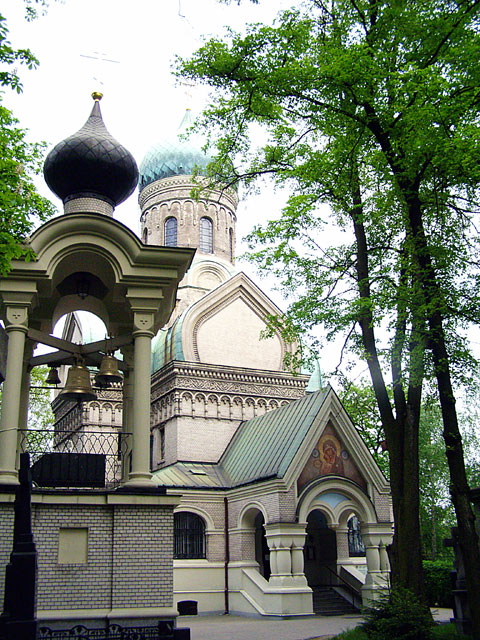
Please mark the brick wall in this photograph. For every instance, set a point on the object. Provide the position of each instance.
(137, 538)
(143, 556)
(6, 541)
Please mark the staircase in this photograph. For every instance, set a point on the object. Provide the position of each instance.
(327, 602)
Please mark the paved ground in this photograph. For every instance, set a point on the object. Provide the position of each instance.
(231, 627)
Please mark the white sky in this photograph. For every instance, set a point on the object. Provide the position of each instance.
(141, 100)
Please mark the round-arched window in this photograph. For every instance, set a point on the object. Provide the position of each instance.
(188, 536)
(356, 547)
(206, 235)
(171, 232)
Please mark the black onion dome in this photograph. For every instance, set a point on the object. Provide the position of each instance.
(91, 163)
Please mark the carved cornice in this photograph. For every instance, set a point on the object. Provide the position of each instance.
(228, 380)
(159, 189)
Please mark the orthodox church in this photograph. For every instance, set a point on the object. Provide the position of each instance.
(278, 494)
(272, 501)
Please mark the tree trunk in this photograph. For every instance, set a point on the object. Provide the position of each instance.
(459, 489)
(401, 432)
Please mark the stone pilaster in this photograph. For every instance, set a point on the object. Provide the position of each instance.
(286, 542)
(16, 317)
(376, 537)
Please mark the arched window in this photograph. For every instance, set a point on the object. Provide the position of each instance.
(206, 235)
(145, 235)
(171, 232)
(356, 547)
(188, 535)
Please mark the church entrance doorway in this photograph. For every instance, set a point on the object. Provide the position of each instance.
(320, 551)
(262, 552)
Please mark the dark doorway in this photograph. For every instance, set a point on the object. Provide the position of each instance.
(320, 550)
(262, 552)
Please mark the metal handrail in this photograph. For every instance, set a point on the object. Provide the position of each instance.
(354, 592)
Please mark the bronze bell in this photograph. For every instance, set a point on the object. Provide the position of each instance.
(53, 377)
(108, 371)
(78, 385)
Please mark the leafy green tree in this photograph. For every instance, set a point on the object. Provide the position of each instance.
(361, 405)
(40, 414)
(371, 107)
(21, 206)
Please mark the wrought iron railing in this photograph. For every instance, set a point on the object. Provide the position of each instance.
(163, 630)
(80, 458)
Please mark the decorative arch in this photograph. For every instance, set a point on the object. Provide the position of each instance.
(248, 513)
(338, 496)
(202, 513)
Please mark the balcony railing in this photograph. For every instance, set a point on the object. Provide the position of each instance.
(82, 458)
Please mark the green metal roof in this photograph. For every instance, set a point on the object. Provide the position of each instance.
(174, 156)
(167, 345)
(191, 475)
(262, 448)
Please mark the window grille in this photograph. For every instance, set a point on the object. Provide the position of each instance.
(171, 232)
(189, 536)
(356, 547)
(206, 235)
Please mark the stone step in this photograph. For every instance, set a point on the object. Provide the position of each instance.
(327, 602)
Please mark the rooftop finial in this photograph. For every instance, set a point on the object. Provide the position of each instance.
(96, 95)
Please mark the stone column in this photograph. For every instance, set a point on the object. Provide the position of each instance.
(140, 474)
(298, 543)
(375, 536)
(127, 411)
(24, 400)
(384, 561)
(16, 319)
(286, 541)
(342, 545)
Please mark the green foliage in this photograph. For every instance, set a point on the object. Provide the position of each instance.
(398, 616)
(361, 405)
(438, 632)
(448, 632)
(371, 108)
(376, 95)
(21, 206)
(437, 582)
(40, 411)
(352, 634)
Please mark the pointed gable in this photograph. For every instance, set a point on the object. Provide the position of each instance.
(225, 326)
(330, 456)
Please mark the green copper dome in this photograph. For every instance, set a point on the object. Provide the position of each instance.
(174, 157)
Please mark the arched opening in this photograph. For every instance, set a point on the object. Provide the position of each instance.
(206, 235)
(262, 552)
(320, 551)
(145, 235)
(356, 548)
(171, 232)
(188, 536)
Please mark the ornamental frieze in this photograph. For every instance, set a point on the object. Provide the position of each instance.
(233, 387)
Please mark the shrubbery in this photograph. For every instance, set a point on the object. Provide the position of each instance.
(437, 582)
(398, 616)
